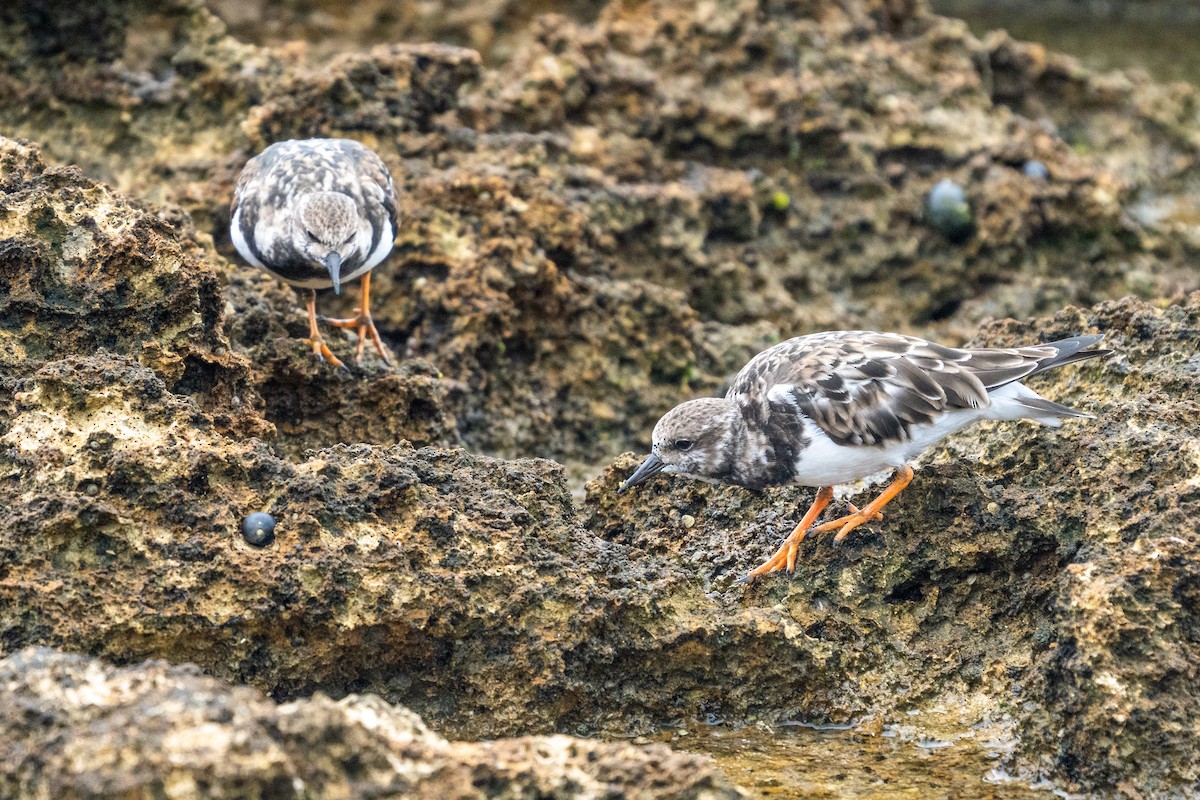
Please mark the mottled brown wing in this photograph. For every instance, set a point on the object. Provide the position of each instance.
(246, 179)
(376, 181)
(867, 388)
(246, 209)
(271, 180)
(258, 185)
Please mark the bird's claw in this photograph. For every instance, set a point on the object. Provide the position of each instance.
(364, 326)
(321, 350)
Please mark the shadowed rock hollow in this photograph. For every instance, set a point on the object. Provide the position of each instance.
(608, 219)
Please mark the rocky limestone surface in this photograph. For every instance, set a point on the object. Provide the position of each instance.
(75, 727)
(492, 28)
(472, 590)
(627, 209)
(1114, 684)
(1052, 570)
(606, 221)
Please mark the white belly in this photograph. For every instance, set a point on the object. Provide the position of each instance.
(377, 255)
(386, 239)
(319, 281)
(824, 463)
(239, 240)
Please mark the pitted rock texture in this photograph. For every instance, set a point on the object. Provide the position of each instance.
(633, 201)
(386, 558)
(78, 262)
(609, 220)
(79, 728)
(471, 590)
(1114, 685)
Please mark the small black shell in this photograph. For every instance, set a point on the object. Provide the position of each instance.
(258, 529)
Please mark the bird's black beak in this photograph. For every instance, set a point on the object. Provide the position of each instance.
(650, 466)
(333, 263)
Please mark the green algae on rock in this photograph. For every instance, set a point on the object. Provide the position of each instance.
(154, 730)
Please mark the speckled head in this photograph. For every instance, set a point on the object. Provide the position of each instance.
(695, 439)
(325, 229)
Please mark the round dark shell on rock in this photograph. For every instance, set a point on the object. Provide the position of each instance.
(258, 529)
(948, 210)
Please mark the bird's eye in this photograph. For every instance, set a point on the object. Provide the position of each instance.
(683, 445)
(312, 237)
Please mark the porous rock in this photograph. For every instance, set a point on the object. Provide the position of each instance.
(587, 225)
(75, 727)
(607, 221)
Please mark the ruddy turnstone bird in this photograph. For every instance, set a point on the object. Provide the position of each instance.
(317, 213)
(833, 407)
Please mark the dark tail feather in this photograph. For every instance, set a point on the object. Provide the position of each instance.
(1051, 407)
(1070, 351)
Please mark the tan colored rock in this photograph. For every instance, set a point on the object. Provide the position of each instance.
(130, 501)
(582, 222)
(76, 727)
(610, 221)
(1114, 668)
(79, 259)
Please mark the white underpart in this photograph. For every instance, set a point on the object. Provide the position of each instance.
(824, 463)
(239, 240)
(377, 255)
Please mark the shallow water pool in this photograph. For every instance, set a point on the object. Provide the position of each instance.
(807, 762)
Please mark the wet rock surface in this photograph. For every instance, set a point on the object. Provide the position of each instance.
(75, 727)
(607, 216)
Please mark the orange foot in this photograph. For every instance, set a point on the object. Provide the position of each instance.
(855, 515)
(785, 556)
(322, 351)
(314, 340)
(366, 328)
(364, 324)
(870, 511)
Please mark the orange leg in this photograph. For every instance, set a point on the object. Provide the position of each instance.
(872, 509)
(785, 556)
(364, 324)
(840, 521)
(314, 340)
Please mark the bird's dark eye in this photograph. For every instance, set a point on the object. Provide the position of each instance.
(683, 445)
(312, 237)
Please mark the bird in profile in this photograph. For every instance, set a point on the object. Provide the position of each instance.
(317, 213)
(834, 407)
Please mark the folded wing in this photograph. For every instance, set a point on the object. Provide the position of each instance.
(867, 388)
